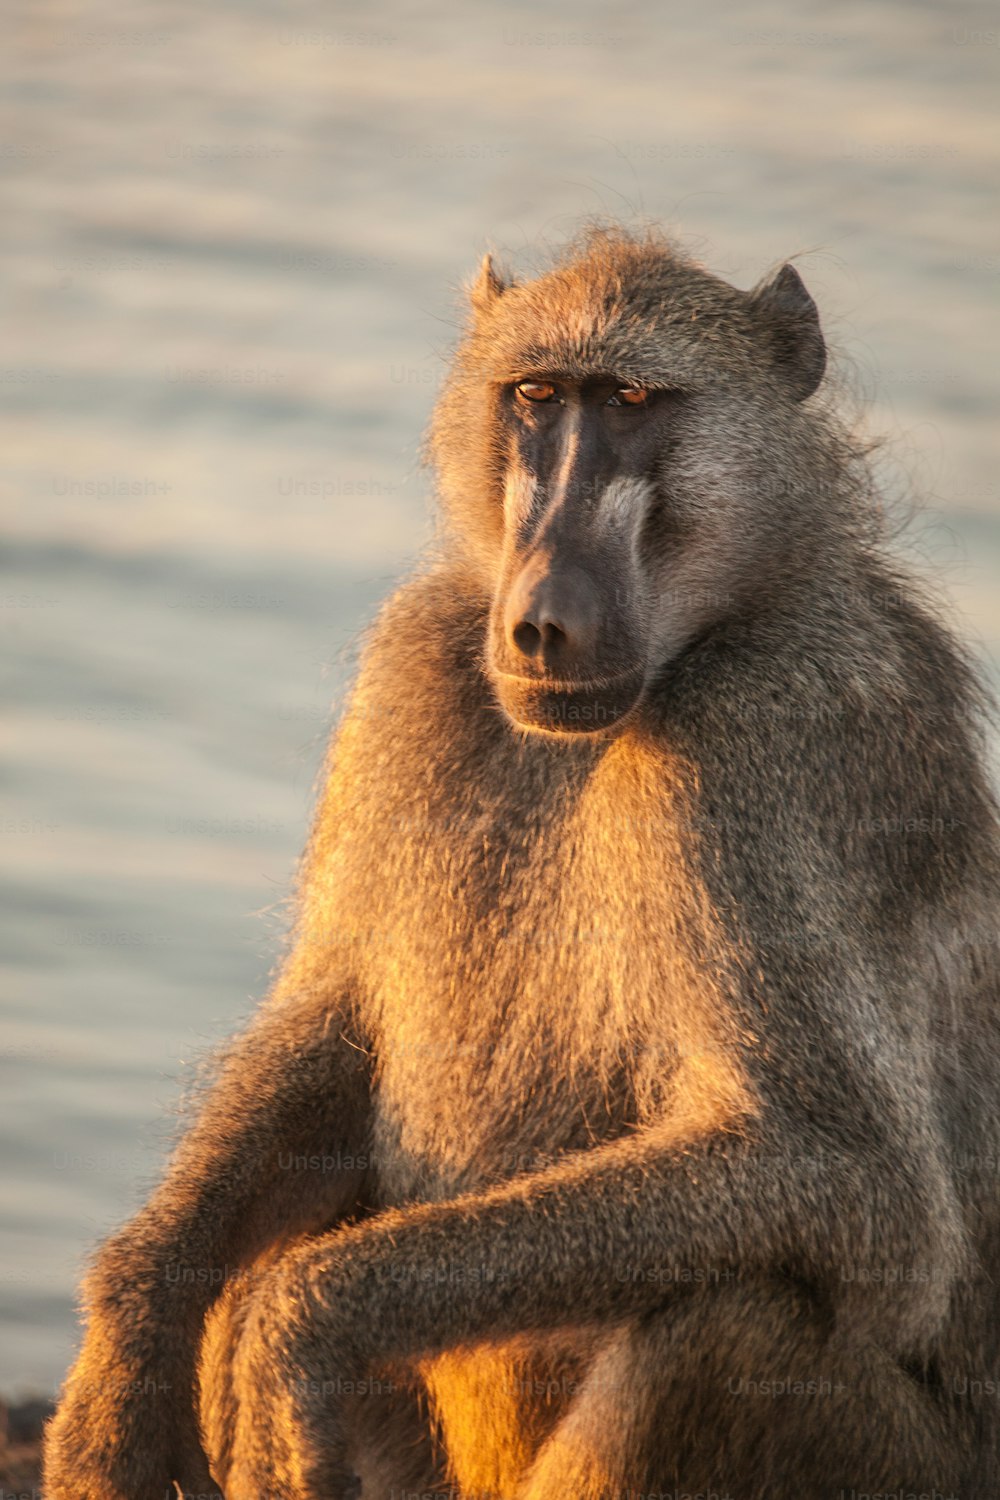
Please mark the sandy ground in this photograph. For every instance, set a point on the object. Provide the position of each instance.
(233, 238)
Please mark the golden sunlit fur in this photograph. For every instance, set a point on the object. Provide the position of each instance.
(624, 1119)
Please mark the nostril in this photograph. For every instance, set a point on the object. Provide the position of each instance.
(527, 638)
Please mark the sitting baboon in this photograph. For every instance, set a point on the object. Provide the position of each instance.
(626, 1117)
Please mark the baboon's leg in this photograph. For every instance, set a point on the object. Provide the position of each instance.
(742, 1391)
(294, 1089)
(391, 1449)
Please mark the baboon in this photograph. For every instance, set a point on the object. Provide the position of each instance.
(625, 1119)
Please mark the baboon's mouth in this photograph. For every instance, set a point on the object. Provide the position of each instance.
(555, 707)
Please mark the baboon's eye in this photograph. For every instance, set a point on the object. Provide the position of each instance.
(629, 395)
(535, 390)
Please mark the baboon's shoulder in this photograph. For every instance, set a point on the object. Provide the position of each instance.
(419, 687)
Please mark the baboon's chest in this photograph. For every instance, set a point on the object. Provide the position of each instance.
(535, 995)
(498, 1074)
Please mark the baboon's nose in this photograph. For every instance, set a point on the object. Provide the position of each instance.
(530, 638)
(552, 618)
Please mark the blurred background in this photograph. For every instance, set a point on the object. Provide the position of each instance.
(232, 245)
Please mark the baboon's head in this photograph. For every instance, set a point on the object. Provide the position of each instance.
(619, 446)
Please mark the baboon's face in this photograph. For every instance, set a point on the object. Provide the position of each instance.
(569, 639)
(608, 442)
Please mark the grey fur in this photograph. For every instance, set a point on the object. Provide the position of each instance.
(657, 1070)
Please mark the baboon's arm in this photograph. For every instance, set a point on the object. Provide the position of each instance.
(601, 1236)
(294, 1086)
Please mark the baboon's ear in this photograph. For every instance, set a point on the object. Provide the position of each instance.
(789, 316)
(488, 286)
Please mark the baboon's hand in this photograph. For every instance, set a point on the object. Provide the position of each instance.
(123, 1433)
(292, 1372)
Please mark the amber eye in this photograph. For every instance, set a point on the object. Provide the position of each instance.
(631, 395)
(535, 390)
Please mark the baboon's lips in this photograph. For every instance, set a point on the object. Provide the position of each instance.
(569, 707)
